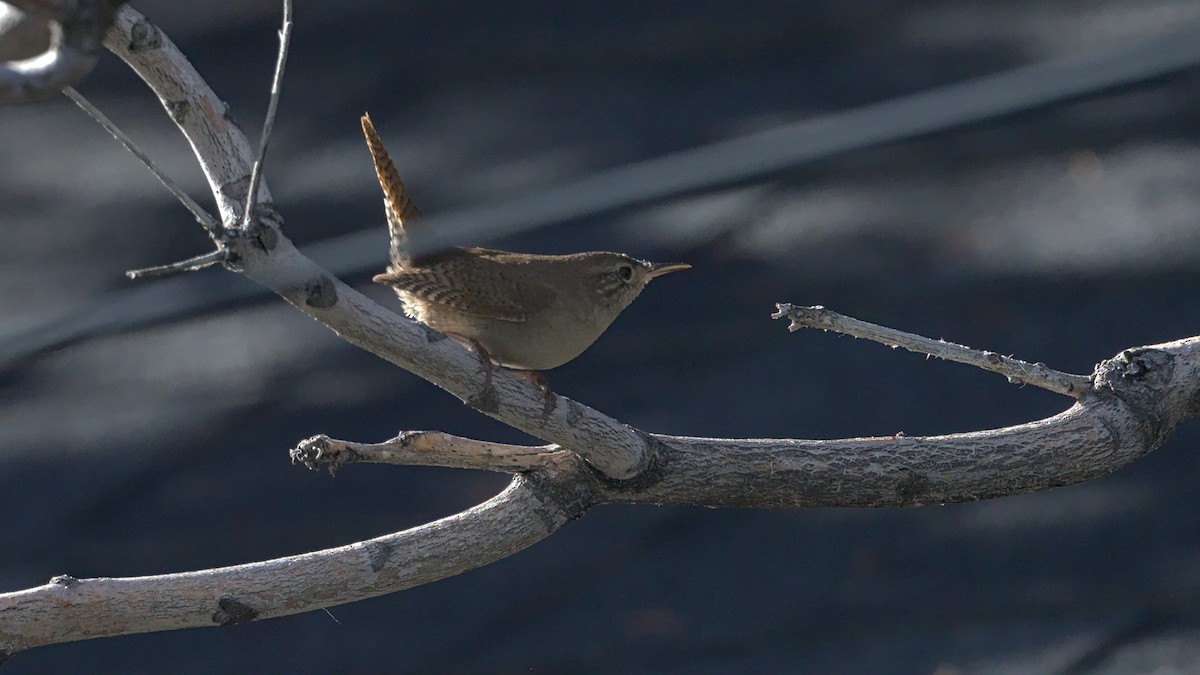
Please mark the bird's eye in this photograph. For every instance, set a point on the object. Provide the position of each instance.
(625, 272)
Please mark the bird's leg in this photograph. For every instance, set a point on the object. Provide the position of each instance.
(540, 381)
(485, 359)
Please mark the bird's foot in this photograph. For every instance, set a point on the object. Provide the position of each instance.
(485, 359)
(550, 400)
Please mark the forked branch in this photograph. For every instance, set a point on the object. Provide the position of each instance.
(1125, 409)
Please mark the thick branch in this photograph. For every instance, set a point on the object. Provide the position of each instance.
(1137, 400)
(219, 145)
(1068, 448)
(68, 609)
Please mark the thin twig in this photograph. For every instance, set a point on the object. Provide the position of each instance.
(285, 39)
(425, 448)
(1016, 370)
(198, 211)
(190, 265)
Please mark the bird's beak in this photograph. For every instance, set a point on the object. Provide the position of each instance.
(659, 269)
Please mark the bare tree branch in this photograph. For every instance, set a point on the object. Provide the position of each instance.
(220, 146)
(192, 264)
(426, 448)
(1138, 398)
(285, 39)
(68, 609)
(265, 255)
(1129, 406)
(1016, 370)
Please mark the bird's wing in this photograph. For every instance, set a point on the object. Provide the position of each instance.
(479, 288)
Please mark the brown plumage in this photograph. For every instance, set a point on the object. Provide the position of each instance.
(527, 311)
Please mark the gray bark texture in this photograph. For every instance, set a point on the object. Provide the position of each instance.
(1134, 401)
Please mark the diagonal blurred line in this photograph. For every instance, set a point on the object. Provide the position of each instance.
(755, 156)
(116, 312)
(718, 165)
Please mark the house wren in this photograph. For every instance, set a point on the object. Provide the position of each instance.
(520, 310)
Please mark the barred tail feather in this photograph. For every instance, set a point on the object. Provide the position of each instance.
(396, 202)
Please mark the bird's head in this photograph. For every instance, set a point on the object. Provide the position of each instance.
(617, 279)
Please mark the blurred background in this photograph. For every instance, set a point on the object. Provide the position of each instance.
(144, 426)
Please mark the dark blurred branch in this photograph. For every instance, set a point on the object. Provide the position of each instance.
(706, 168)
(754, 156)
(22, 35)
(77, 28)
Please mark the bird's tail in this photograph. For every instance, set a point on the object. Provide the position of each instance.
(396, 202)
